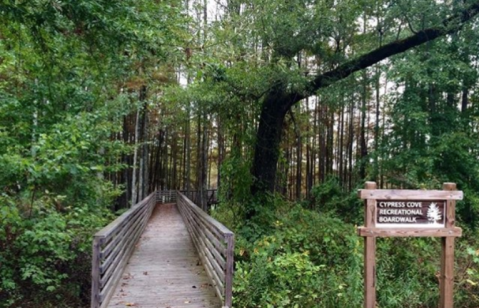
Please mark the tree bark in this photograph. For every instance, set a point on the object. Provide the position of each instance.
(322, 143)
(363, 143)
(464, 100)
(341, 145)
(134, 190)
(268, 138)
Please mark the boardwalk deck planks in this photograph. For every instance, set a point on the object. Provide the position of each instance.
(165, 270)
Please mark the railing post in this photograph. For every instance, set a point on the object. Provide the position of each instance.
(230, 244)
(95, 273)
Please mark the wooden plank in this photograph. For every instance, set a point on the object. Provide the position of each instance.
(188, 219)
(370, 252)
(220, 227)
(208, 240)
(409, 232)
(230, 244)
(404, 194)
(212, 228)
(116, 246)
(207, 261)
(166, 196)
(218, 274)
(219, 257)
(163, 271)
(122, 238)
(120, 243)
(214, 240)
(110, 284)
(217, 264)
(211, 241)
(95, 274)
(111, 228)
(197, 220)
(446, 279)
(122, 254)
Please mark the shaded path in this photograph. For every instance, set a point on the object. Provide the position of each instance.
(165, 270)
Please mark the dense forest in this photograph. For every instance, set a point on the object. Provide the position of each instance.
(286, 107)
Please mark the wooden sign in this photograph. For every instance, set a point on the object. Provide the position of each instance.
(416, 213)
(410, 213)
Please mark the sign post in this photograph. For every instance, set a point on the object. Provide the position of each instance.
(410, 213)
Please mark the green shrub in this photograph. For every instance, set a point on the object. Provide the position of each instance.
(45, 253)
(467, 270)
(330, 197)
(308, 260)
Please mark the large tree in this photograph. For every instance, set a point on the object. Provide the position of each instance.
(421, 22)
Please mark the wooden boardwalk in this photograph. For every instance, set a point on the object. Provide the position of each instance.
(165, 270)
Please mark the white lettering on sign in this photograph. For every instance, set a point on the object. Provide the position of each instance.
(414, 204)
(391, 204)
(397, 213)
(397, 219)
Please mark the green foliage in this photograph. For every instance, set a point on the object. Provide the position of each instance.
(429, 139)
(44, 251)
(300, 265)
(468, 269)
(327, 194)
(329, 197)
(302, 258)
(406, 272)
(294, 275)
(236, 172)
(64, 73)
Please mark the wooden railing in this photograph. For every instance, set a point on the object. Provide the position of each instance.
(203, 198)
(209, 196)
(215, 245)
(166, 196)
(112, 247)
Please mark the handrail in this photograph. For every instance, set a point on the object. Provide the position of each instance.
(215, 245)
(169, 196)
(205, 198)
(112, 247)
(166, 196)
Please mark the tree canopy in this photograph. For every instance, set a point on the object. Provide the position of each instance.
(102, 102)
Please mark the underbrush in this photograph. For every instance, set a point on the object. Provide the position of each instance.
(296, 257)
(45, 253)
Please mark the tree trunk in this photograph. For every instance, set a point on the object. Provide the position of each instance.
(341, 144)
(165, 170)
(221, 150)
(363, 143)
(376, 128)
(350, 146)
(204, 163)
(268, 138)
(464, 100)
(330, 142)
(322, 144)
(135, 159)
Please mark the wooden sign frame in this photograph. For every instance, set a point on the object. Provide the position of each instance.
(447, 232)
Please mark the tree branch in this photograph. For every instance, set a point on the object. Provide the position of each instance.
(449, 25)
